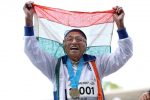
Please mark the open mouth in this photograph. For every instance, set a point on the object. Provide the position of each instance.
(74, 48)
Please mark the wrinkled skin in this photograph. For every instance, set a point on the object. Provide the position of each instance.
(74, 45)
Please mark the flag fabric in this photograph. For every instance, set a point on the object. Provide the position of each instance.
(51, 24)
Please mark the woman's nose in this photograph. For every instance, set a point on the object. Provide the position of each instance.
(74, 40)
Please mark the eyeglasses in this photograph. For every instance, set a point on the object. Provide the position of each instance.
(77, 39)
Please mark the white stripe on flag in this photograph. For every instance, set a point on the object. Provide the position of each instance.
(97, 35)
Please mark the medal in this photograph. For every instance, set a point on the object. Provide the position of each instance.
(74, 93)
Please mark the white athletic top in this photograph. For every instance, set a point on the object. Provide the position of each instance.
(106, 64)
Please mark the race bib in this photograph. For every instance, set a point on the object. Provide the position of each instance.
(86, 89)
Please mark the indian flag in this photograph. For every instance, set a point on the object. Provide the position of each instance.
(51, 24)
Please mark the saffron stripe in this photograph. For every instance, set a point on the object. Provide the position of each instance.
(73, 18)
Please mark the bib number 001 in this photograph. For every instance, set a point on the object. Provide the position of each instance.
(86, 90)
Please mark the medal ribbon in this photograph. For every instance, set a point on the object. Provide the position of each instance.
(100, 91)
(74, 78)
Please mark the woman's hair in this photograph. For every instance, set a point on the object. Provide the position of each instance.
(76, 30)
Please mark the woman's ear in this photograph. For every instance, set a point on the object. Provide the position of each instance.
(85, 47)
(64, 46)
(86, 43)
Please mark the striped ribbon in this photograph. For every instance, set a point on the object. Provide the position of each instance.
(100, 92)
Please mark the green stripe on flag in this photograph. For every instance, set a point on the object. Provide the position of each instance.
(56, 49)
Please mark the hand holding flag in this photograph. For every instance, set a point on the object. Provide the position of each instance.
(29, 11)
(119, 17)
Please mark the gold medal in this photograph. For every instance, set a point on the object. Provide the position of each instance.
(74, 93)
